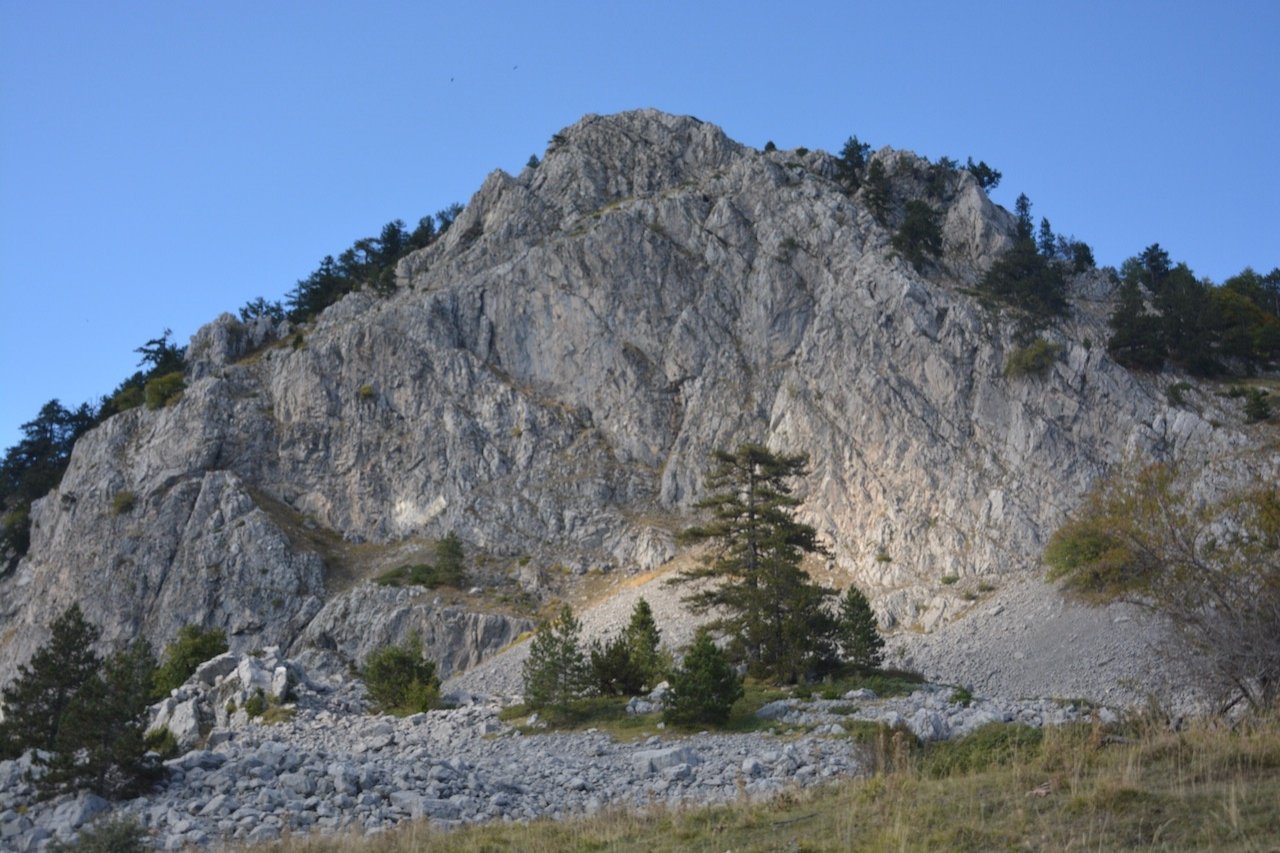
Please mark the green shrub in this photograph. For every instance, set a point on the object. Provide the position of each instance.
(256, 705)
(127, 397)
(123, 502)
(1176, 394)
(162, 742)
(365, 391)
(1256, 405)
(704, 687)
(949, 580)
(110, 835)
(919, 238)
(192, 647)
(399, 680)
(1034, 359)
(613, 672)
(163, 390)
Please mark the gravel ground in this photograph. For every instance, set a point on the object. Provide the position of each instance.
(1026, 640)
(1022, 640)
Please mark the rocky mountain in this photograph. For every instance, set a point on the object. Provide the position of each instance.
(548, 380)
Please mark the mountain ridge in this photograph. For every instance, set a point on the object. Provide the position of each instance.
(550, 376)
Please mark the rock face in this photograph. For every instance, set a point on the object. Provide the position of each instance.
(550, 377)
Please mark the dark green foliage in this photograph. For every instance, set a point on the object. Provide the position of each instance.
(704, 686)
(919, 238)
(769, 147)
(644, 645)
(368, 262)
(852, 160)
(449, 568)
(450, 562)
(260, 308)
(110, 835)
(859, 635)
(35, 702)
(556, 671)
(613, 671)
(1257, 405)
(774, 612)
(101, 740)
(162, 742)
(1205, 329)
(1022, 209)
(533, 162)
(1137, 339)
(1032, 360)
(32, 467)
(400, 680)
(1026, 279)
(1176, 393)
(988, 178)
(632, 661)
(192, 647)
(163, 390)
(445, 217)
(256, 705)
(161, 356)
(877, 191)
(1046, 242)
(1189, 323)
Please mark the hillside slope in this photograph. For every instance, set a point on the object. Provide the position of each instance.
(549, 378)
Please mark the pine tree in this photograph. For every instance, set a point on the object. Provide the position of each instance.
(100, 743)
(773, 609)
(450, 562)
(1137, 340)
(704, 687)
(614, 671)
(643, 644)
(35, 702)
(860, 638)
(556, 671)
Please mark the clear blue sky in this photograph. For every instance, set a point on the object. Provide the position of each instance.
(161, 162)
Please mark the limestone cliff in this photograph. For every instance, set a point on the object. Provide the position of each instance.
(549, 378)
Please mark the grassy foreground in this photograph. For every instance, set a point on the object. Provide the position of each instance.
(1003, 788)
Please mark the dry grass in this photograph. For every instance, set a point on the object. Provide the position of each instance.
(1078, 788)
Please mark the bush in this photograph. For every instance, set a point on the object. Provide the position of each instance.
(1212, 569)
(1033, 360)
(400, 680)
(1256, 405)
(1176, 394)
(123, 502)
(256, 705)
(162, 742)
(163, 390)
(704, 687)
(112, 835)
(556, 671)
(192, 647)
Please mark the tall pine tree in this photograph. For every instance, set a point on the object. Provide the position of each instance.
(773, 610)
